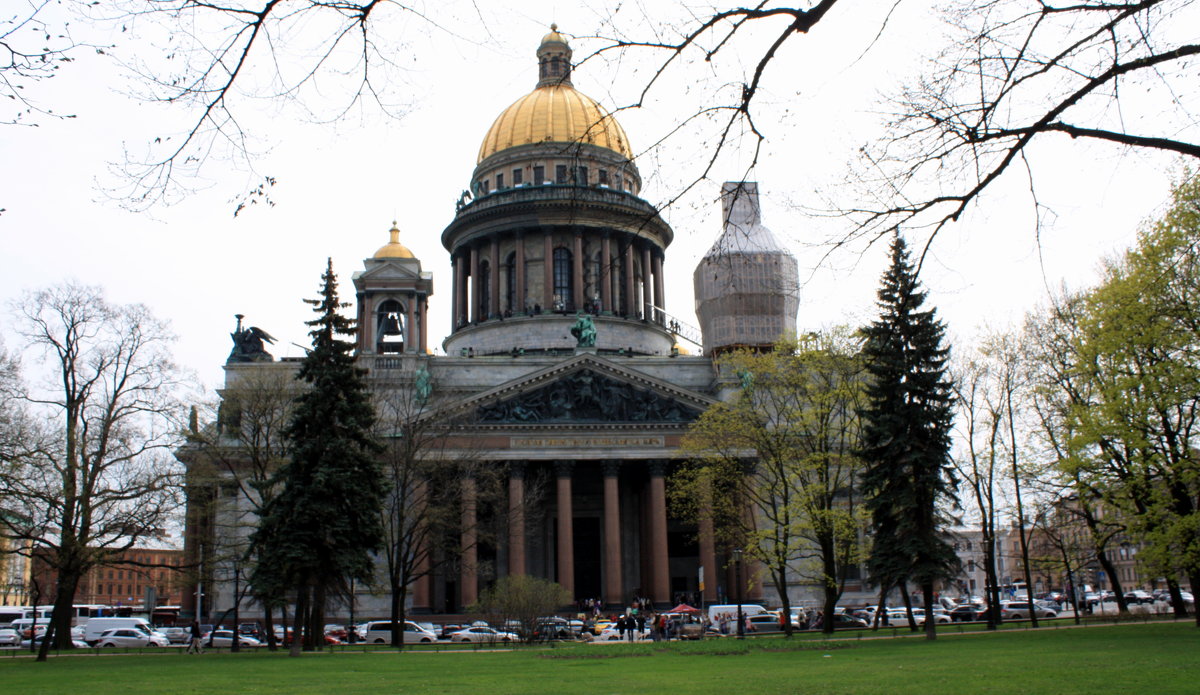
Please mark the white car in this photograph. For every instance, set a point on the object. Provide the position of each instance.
(129, 637)
(610, 634)
(482, 635)
(9, 637)
(1019, 610)
(224, 638)
(380, 632)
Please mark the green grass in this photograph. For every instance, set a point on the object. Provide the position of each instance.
(1147, 659)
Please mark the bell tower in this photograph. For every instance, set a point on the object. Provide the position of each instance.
(393, 301)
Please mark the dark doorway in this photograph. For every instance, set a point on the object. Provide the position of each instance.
(587, 557)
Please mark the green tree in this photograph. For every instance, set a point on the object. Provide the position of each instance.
(785, 450)
(1140, 352)
(521, 598)
(906, 432)
(319, 530)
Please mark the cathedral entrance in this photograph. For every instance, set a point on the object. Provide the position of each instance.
(587, 557)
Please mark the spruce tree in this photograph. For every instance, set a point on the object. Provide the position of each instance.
(907, 436)
(321, 528)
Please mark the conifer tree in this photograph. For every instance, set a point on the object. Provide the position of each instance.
(320, 529)
(907, 436)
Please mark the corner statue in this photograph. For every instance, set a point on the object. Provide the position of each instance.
(248, 344)
(584, 331)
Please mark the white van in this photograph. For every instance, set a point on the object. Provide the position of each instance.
(380, 632)
(731, 609)
(95, 626)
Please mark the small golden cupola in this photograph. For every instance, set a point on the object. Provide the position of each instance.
(394, 249)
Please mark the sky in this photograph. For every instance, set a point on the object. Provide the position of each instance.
(342, 182)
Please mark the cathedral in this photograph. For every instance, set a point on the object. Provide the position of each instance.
(563, 356)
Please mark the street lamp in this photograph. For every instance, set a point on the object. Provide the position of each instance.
(737, 577)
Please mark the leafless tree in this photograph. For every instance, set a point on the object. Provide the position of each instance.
(1019, 72)
(98, 476)
(231, 464)
(326, 57)
(36, 39)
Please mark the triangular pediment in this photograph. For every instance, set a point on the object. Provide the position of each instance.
(585, 389)
(390, 270)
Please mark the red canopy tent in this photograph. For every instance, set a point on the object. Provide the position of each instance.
(684, 608)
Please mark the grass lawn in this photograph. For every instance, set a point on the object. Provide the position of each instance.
(1146, 659)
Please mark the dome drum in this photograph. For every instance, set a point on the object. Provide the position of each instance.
(531, 165)
(552, 333)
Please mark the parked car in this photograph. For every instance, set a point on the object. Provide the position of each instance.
(964, 613)
(176, 635)
(37, 642)
(224, 638)
(1139, 596)
(845, 621)
(130, 637)
(482, 635)
(9, 637)
(380, 632)
(611, 634)
(1021, 610)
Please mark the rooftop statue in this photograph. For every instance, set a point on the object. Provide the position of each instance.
(248, 344)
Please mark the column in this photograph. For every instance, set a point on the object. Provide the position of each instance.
(473, 295)
(455, 293)
(566, 528)
(548, 272)
(494, 280)
(520, 273)
(658, 532)
(647, 298)
(516, 519)
(468, 569)
(460, 291)
(410, 324)
(424, 327)
(659, 299)
(421, 587)
(606, 275)
(577, 272)
(614, 590)
(708, 551)
(630, 294)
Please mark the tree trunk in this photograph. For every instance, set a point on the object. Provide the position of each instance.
(1074, 594)
(270, 627)
(300, 611)
(930, 622)
(881, 609)
(1107, 564)
(59, 629)
(316, 621)
(991, 592)
(912, 623)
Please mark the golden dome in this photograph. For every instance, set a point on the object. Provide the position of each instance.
(554, 113)
(394, 249)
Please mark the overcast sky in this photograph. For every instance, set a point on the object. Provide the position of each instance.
(342, 183)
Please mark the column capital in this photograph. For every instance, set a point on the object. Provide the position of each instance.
(563, 469)
(657, 468)
(611, 468)
(516, 469)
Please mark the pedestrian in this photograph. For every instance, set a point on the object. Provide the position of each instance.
(195, 646)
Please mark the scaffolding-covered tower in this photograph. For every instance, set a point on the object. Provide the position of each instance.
(747, 285)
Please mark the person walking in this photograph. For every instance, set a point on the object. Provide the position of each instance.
(195, 646)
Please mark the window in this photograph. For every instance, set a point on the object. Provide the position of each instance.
(562, 280)
(499, 181)
(602, 177)
(539, 175)
(581, 176)
(560, 173)
(517, 177)
(487, 186)
(389, 329)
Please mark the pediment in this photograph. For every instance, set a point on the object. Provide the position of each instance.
(391, 270)
(585, 389)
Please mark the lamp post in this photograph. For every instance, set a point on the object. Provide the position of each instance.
(737, 578)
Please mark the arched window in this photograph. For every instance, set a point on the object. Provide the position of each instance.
(389, 327)
(510, 284)
(483, 290)
(563, 301)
